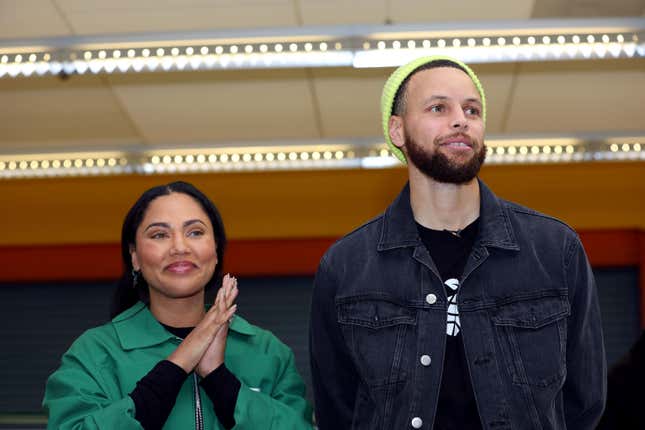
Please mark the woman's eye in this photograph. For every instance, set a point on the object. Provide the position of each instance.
(158, 235)
(194, 233)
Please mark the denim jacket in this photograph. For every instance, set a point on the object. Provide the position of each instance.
(530, 324)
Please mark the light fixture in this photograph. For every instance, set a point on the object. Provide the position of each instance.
(335, 46)
(319, 154)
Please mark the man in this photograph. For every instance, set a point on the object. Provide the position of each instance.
(454, 309)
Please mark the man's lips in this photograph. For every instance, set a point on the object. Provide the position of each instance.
(180, 267)
(460, 142)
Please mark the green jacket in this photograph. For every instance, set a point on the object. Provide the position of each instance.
(90, 389)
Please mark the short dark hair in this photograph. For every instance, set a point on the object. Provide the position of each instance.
(126, 293)
(400, 99)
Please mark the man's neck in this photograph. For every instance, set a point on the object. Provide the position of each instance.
(441, 206)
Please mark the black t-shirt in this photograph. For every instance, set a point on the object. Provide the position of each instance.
(456, 409)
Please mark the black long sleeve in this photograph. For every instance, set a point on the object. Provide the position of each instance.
(222, 387)
(155, 394)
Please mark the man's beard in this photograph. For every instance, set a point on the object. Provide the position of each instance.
(439, 167)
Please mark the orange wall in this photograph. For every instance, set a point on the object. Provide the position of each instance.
(325, 203)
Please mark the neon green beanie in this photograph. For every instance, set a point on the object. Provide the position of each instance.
(396, 79)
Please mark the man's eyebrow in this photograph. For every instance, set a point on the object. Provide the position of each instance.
(436, 97)
(441, 97)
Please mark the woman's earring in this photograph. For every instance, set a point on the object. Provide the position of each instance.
(135, 277)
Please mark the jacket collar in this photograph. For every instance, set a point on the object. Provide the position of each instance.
(136, 327)
(495, 229)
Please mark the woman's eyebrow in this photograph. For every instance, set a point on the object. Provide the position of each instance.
(157, 224)
(166, 225)
(193, 221)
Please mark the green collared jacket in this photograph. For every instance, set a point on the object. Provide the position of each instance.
(90, 389)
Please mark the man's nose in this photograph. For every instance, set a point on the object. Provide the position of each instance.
(459, 120)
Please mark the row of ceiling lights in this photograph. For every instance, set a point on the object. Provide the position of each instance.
(332, 158)
(353, 46)
(103, 54)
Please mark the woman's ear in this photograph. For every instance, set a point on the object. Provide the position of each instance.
(134, 258)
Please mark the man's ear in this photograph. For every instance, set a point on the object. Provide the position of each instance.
(134, 258)
(397, 134)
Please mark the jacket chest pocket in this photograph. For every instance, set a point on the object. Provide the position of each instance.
(532, 337)
(378, 331)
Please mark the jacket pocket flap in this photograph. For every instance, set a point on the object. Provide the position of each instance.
(374, 313)
(532, 313)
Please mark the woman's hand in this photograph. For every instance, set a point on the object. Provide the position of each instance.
(214, 355)
(190, 352)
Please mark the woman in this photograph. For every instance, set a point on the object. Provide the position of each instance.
(165, 360)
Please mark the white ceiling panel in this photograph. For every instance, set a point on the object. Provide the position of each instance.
(100, 17)
(578, 97)
(587, 8)
(88, 5)
(497, 80)
(224, 106)
(49, 112)
(336, 12)
(349, 101)
(408, 11)
(30, 18)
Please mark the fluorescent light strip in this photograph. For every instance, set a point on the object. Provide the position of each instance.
(64, 164)
(167, 59)
(355, 155)
(340, 46)
(495, 49)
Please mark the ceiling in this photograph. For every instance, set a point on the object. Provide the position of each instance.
(281, 105)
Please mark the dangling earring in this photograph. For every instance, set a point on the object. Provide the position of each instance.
(135, 277)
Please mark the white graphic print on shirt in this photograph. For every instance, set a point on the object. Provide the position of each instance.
(453, 327)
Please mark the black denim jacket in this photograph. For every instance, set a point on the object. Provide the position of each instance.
(530, 324)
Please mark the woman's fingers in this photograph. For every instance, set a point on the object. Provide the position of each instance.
(230, 313)
(228, 292)
(232, 293)
(222, 308)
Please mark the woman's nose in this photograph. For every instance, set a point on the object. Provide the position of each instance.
(179, 244)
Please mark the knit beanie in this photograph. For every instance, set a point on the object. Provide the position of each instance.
(396, 79)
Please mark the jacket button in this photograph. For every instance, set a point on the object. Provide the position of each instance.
(417, 422)
(431, 299)
(425, 360)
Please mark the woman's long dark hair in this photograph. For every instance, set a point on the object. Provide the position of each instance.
(126, 293)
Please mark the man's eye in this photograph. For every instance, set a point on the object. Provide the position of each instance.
(472, 111)
(436, 108)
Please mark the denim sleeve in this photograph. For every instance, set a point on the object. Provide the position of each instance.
(585, 387)
(334, 376)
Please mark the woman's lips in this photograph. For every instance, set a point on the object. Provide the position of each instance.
(180, 267)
